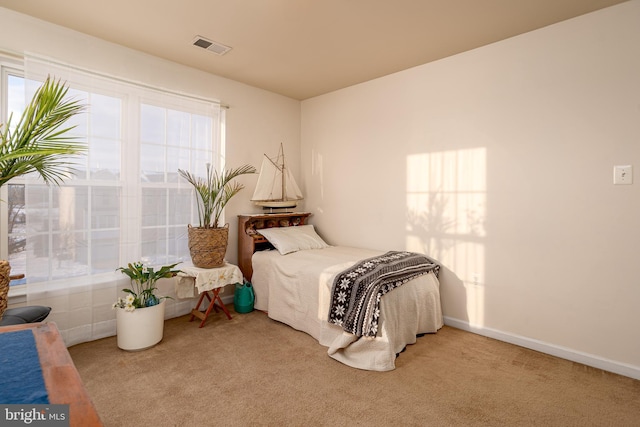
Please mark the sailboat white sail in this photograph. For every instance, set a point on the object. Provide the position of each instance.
(276, 187)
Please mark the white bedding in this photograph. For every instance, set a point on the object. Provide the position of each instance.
(295, 289)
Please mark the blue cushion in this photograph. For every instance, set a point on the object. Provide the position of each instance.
(20, 315)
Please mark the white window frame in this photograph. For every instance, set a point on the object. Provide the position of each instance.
(130, 166)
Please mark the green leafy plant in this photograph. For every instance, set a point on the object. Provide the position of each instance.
(215, 191)
(39, 143)
(143, 281)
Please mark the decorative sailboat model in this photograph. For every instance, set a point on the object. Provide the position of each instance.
(276, 188)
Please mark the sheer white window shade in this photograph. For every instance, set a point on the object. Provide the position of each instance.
(124, 204)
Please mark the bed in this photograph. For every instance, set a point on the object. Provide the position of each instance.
(296, 289)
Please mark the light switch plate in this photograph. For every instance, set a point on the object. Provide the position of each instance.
(623, 175)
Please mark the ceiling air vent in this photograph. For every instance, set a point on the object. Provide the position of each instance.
(215, 47)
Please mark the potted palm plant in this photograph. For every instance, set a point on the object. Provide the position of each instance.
(39, 144)
(208, 241)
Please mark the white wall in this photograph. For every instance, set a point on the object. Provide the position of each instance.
(257, 120)
(498, 162)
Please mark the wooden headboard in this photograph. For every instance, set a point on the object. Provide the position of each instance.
(250, 241)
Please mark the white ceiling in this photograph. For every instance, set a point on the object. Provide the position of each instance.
(304, 48)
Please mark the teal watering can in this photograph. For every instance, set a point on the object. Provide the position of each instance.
(243, 298)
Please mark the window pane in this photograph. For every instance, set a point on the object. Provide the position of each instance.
(202, 133)
(37, 209)
(37, 268)
(79, 122)
(181, 203)
(68, 210)
(105, 250)
(178, 244)
(154, 207)
(199, 162)
(154, 246)
(152, 165)
(105, 116)
(152, 124)
(15, 98)
(176, 159)
(104, 159)
(105, 208)
(178, 131)
(69, 254)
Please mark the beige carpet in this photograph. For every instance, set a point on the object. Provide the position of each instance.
(254, 371)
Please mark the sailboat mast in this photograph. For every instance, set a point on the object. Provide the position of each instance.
(282, 177)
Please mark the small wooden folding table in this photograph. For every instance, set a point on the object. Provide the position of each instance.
(209, 282)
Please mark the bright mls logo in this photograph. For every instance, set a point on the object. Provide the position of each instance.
(36, 415)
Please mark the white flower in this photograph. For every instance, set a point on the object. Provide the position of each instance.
(129, 299)
(129, 307)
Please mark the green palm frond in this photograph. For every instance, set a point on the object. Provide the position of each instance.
(39, 143)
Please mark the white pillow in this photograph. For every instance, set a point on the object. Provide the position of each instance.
(293, 238)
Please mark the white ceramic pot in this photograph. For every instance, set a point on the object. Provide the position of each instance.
(141, 328)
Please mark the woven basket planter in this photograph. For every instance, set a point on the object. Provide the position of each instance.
(208, 246)
(5, 269)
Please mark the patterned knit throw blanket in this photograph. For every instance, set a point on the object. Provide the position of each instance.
(356, 291)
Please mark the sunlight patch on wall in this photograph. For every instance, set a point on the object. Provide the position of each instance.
(446, 211)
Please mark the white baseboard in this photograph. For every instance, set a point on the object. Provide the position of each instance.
(554, 350)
